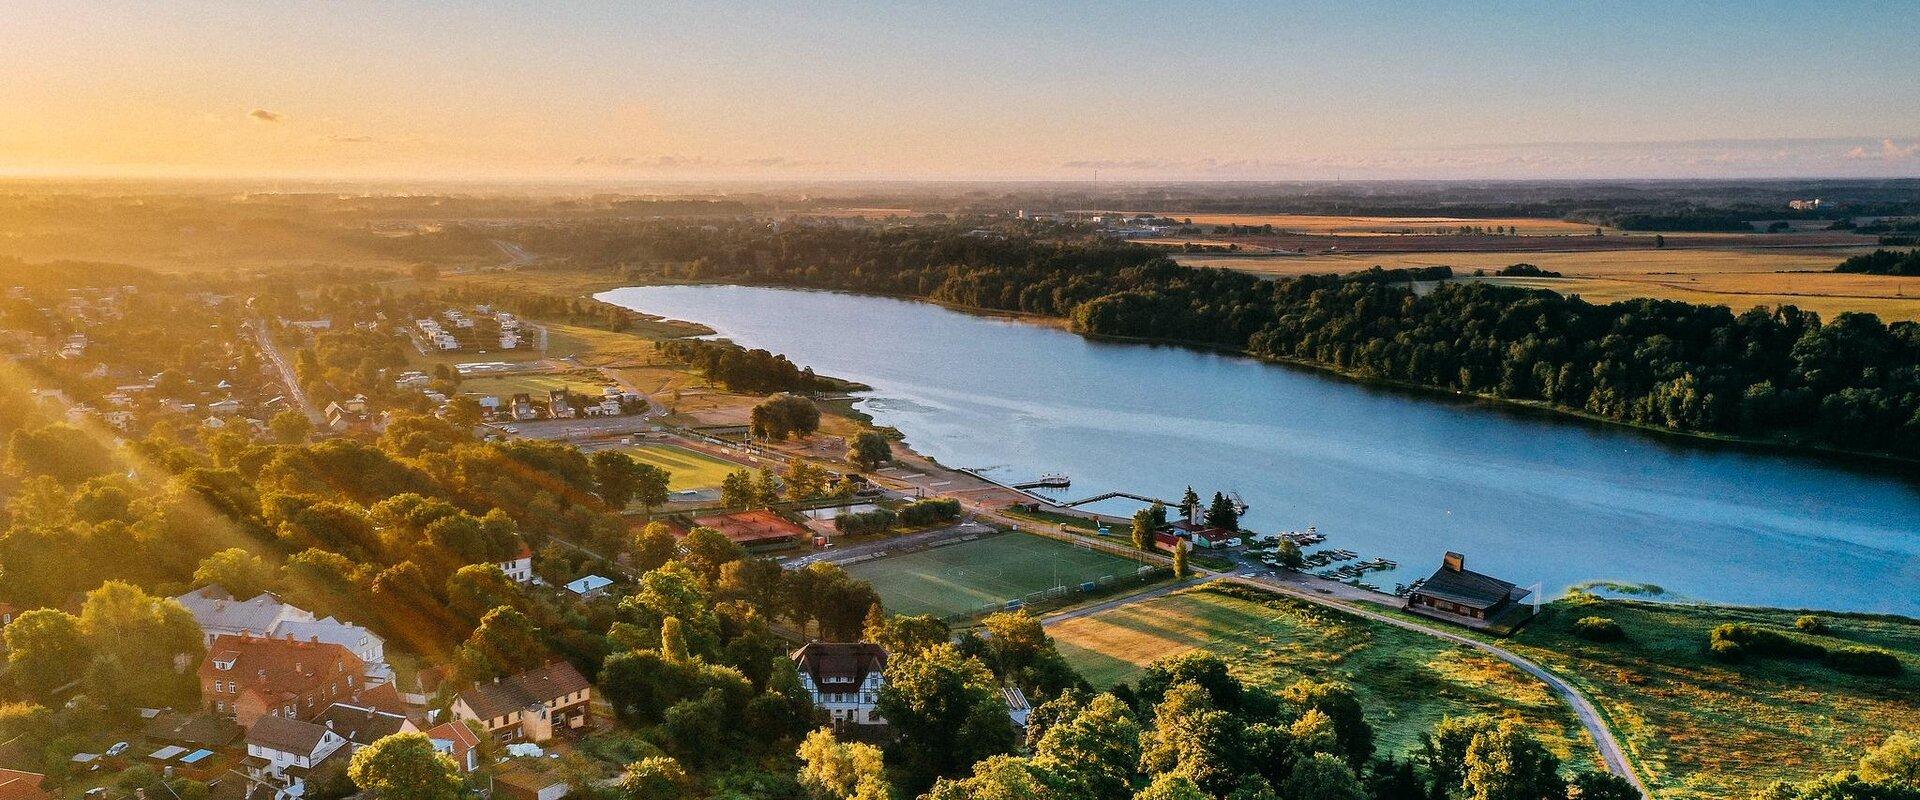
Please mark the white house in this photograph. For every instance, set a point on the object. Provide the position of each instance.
(282, 752)
(520, 567)
(590, 587)
(266, 615)
(360, 641)
(844, 679)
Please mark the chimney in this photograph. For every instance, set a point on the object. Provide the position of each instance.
(1455, 562)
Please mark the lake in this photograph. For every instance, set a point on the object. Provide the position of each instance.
(1527, 496)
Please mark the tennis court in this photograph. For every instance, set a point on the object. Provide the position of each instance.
(961, 578)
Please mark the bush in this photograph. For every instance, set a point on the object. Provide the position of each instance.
(923, 512)
(1811, 624)
(875, 521)
(1733, 640)
(1598, 629)
(1863, 661)
(1727, 650)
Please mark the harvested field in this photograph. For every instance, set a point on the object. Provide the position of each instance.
(1378, 226)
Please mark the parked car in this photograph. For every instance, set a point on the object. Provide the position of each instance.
(117, 749)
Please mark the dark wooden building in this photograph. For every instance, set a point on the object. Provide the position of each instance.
(1457, 592)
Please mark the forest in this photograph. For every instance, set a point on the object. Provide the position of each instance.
(1883, 262)
(1850, 383)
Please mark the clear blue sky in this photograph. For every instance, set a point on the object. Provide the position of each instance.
(1249, 90)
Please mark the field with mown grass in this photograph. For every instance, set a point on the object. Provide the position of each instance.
(1705, 730)
(1406, 681)
(962, 578)
(689, 470)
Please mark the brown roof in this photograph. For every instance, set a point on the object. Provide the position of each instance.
(520, 783)
(840, 663)
(278, 669)
(459, 735)
(507, 695)
(17, 785)
(286, 735)
(1455, 583)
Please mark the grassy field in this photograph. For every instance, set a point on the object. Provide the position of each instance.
(690, 470)
(1406, 681)
(1737, 278)
(587, 382)
(961, 578)
(1702, 729)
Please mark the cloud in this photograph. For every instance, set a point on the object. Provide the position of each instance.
(263, 115)
(1888, 151)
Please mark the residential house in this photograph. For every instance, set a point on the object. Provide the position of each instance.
(249, 677)
(196, 730)
(521, 782)
(1018, 708)
(531, 706)
(362, 726)
(520, 567)
(284, 753)
(358, 640)
(1458, 594)
(591, 587)
(560, 404)
(1207, 536)
(844, 679)
(458, 742)
(220, 614)
(523, 407)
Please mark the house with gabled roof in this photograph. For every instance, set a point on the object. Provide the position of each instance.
(1457, 594)
(844, 679)
(361, 725)
(249, 677)
(458, 741)
(531, 706)
(285, 753)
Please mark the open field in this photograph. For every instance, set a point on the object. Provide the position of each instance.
(690, 470)
(1702, 729)
(1739, 278)
(587, 382)
(960, 578)
(1406, 681)
(1378, 226)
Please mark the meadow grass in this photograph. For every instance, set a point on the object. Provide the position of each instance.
(961, 578)
(1405, 680)
(1699, 728)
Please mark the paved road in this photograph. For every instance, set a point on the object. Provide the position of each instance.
(287, 377)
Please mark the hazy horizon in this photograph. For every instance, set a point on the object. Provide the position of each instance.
(1219, 91)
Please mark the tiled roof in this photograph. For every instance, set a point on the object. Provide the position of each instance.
(840, 663)
(1469, 588)
(216, 609)
(280, 668)
(286, 735)
(508, 695)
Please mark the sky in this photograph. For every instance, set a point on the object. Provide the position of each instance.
(959, 90)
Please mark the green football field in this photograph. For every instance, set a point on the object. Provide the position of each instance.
(965, 577)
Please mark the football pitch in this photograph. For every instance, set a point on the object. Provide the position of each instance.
(966, 577)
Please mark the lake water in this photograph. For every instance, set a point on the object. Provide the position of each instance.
(1527, 496)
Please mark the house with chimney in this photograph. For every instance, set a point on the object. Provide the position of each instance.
(532, 706)
(844, 679)
(520, 567)
(219, 613)
(249, 678)
(363, 725)
(457, 741)
(283, 754)
(1457, 594)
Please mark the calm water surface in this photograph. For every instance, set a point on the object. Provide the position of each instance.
(1528, 497)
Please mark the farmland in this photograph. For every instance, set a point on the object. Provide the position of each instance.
(1739, 278)
(1334, 224)
(690, 470)
(1406, 680)
(1703, 729)
(961, 578)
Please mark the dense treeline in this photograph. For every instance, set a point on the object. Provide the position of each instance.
(1693, 219)
(1851, 383)
(1883, 262)
(737, 368)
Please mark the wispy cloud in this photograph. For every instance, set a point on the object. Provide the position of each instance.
(1887, 151)
(263, 115)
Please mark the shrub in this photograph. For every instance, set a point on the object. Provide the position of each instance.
(1598, 629)
(1811, 624)
(923, 512)
(1863, 661)
(874, 521)
(1733, 640)
(1727, 650)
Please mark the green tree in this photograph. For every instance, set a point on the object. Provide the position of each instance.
(506, 643)
(869, 451)
(61, 451)
(1325, 777)
(652, 546)
(805, 480)
(45, 648)
(464, 411)
(784, 415)
(290, 427)
(1180, 569)
(476, 589)
(615, 477)
(1171, 787)
(656, 778)
(1143, 528)
(834, 770)
(737, 490)
(948, 712)
(405, 766)
(1507, 763)
(237, 570)
(1602, 786)
(1094, 752)
(1289, 555)
(1222, 513)
(1896, 760)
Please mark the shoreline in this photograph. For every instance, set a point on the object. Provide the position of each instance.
(1899, 464)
